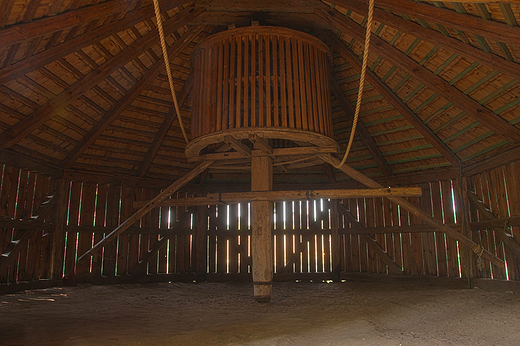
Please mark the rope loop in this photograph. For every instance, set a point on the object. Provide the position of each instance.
(361, 81)
(167, 65)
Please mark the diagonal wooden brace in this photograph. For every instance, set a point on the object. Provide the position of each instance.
(146, 208)
(414, 210)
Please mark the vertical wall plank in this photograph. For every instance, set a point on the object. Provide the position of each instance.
(74, 205)
(88, 202)
(427, 238)
(101, 204)
(449, 217)
(440, 237)
(112, 221)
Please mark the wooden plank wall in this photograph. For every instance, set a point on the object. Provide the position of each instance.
(21, 193)
(499, 190)
(301, 237)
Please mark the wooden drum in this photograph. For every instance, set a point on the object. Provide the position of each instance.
(266, 81)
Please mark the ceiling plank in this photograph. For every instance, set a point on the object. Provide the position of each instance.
(51, 54)
(465, 22)
(468, 51)
(20, 32)
(465, 103)
(129, 97)
(163, 130)
(38, 117)
(381, 87)
(362, 130)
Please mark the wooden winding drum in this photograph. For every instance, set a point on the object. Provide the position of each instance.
(266, 81)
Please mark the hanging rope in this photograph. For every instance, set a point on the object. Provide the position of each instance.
(167, 65)
(361, 82)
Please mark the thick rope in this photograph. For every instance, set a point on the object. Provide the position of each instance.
(167, 65)
(361, 82)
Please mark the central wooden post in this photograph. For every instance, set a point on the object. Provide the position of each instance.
(262, 223)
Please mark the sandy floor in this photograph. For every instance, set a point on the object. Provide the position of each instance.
(349, 313)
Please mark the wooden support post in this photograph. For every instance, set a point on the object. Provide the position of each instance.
(58, 236)
(200, 243)
(261, 240)
(336, 241)
(414, 210)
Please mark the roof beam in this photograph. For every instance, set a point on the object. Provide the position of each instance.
(409, 27)
(51, 54)
(362, 130)
(20, 32)
(462, 101)
(38, 117)
(129, 97)
(465, 22)
(381, 87)
(163, 130)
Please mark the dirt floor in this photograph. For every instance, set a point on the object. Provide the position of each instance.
(301, 313)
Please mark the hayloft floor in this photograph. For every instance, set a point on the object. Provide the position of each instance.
(348, 313)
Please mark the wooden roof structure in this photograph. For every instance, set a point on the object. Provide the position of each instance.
(84, 94)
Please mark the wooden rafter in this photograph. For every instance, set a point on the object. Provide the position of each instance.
(38, 117)
(146, 208)
(20, 32)
(509, 68)
(163, 130)
(362, 130)
(407, 113)
(53, 53)
(465, 103)
(403, 203)
(465, 22)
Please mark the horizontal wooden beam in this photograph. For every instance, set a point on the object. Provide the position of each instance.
(237, 197)
(295, 151)
(19, 160)
(466, 22)
(498, 63)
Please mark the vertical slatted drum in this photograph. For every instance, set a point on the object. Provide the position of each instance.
(268, 81)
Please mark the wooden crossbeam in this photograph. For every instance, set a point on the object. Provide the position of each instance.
(146, 208)
(294, 151)
(278, 196)
(414, 210)
(238, 146)
(72, 45)
(506, 238)
(128, 98)
(163, 130)
(362, 130)
(468, 23)
(392, 266)
(498, 63)
(38, 117)
(407, 113)
(163, 241)
(462, 101)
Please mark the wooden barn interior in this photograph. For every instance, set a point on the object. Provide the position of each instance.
(108, 176)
